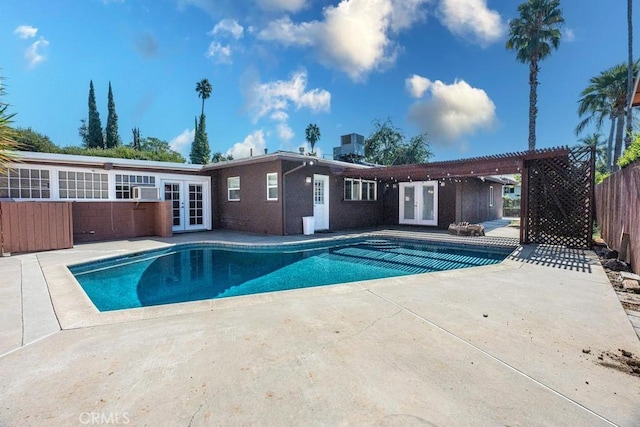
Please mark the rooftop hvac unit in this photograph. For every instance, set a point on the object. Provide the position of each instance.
(145, 193)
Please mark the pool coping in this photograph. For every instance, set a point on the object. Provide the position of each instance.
(74, 309)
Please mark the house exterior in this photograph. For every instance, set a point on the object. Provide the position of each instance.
(113, 198)
(266, 194)
(271, 193)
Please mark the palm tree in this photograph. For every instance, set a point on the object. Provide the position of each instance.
(630, 74)
(312, 134)
(204, 89)
(606, 96)
(533, 35)
(7, 142)
(600, 145)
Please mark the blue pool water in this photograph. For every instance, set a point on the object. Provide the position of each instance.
(196, 272)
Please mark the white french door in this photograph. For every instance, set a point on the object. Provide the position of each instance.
(321, 202)
(187, 204)
(419, 203)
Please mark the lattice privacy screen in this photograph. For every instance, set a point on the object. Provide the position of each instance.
(560, 199)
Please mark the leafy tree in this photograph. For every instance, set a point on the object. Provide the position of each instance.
(83, 131)
(94, 126)
(7, 141)
(533, 35)
(158, 150)
(386, 146)
(312, 134)
(632, 153)
(30, 140)
(606, 96)
(219, 157)
(200, 152)
(600, 145)
(204, 89)
(112, 137)
(136, 138)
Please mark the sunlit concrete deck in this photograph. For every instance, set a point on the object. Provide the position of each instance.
(513, 343)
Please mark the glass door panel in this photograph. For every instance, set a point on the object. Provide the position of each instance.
(409, 200)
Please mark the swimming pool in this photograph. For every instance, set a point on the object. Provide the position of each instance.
(194, 272)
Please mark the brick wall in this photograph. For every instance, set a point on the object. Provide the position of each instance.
(96, 221)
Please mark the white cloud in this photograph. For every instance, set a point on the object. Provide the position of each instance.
(275, 97)
(472, 20)
(407, 12)
(285, 133)
(254, 142)
(25, 31)
(354, 36)
(568, 35)
(288, 33)
(219, 53)
(182, 142)
(33, 54)
(280, 116)
(283, 5)
(417, 85)
(452, 111)
(228, 26)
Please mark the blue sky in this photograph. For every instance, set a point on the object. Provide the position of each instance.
(438, 66)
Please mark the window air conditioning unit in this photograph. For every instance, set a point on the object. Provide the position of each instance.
(145, 193)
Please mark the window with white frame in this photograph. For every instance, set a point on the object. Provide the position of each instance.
(233, 188)
(491, 196)
(272, 186)
(125, 182)
(83, 185)
(360, 189)
(24, 183)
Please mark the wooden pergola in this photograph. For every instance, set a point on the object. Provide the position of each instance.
(557, 188)
(500, 164)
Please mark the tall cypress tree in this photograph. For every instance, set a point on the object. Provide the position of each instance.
(136, 138)
(113, 139)
(94, 128)
(200, 152)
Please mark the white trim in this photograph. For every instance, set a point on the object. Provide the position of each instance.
(321, 222)
(418, 203)
(272, 186)
(229, 189)
(35, 157)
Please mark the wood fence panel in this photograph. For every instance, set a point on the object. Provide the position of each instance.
(35, 226)
(618, 211)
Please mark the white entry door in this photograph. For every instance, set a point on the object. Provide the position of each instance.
(321, 202)
(187, 204)
(419, 203)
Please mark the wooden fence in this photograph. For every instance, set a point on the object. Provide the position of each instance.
(35, 226)
(618, 212)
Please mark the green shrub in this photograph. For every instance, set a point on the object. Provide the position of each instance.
(632, 153)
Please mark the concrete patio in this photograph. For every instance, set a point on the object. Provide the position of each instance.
(517, 343)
